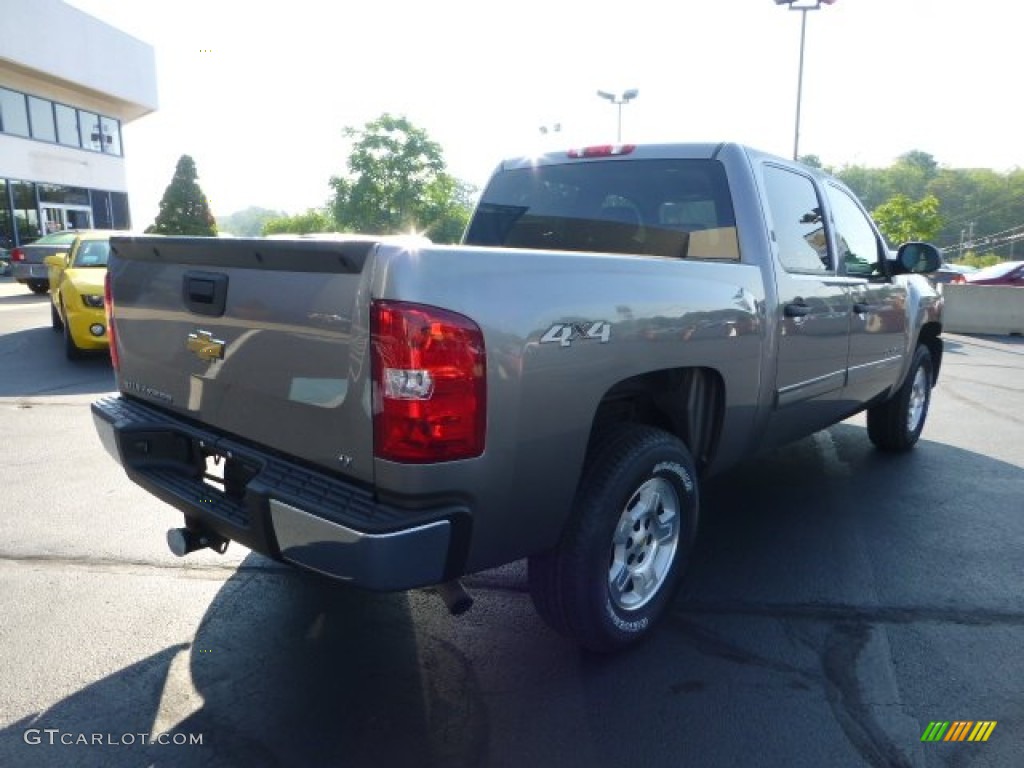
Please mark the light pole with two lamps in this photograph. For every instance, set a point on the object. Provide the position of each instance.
(619, 99)
(803, 6)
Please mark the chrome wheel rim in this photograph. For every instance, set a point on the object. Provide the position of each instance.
(644, 544)
(918, 400)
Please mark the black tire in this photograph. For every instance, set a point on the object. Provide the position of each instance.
(636, 477)
(896, 424)
(38, 286)
(55, 320)
(71, 350)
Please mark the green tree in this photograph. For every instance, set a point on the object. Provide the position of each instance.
(982, 210)
(313, 220)
(184, 209)
(398, 182)
(901, 219)
(247, 222)
(980, 260)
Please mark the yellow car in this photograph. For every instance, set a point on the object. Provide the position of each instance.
(76, 291)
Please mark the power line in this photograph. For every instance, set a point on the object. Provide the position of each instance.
(986, 243)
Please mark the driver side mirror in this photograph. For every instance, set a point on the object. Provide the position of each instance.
(56, 260)
(918, 258)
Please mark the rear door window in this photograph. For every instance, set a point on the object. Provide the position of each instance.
(797, 224)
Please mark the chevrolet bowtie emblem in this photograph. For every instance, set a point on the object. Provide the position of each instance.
(204, 346)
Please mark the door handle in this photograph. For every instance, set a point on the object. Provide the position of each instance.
(861, 308)
(796, 309)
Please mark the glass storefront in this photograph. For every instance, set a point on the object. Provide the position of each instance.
(28, 210)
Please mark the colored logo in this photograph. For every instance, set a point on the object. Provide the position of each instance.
(204, 346)
(959, 730)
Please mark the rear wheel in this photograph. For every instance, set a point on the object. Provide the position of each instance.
(38, 286)
(623, 552)
(896, 424)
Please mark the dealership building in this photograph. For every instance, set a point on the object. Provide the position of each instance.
(68, 85)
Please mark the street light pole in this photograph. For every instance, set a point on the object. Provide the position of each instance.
(803, 6)
(799, 84)
(619, 99)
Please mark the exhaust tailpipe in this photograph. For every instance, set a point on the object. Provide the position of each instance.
(455, 597)
(181, 541)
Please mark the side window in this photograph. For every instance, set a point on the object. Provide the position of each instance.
(855, 237)
(796, 220)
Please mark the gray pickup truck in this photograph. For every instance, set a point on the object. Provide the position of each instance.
(619, 323)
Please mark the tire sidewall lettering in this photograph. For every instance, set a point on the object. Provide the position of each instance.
(676, 469)
(624, 625)
(628, 623)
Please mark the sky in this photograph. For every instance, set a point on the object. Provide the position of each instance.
(259, 93)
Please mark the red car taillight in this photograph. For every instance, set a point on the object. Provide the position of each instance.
(17, 255)
(108, 306)
(429, 383)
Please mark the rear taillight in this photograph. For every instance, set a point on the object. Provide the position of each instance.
(108, 305)
(17, 255)
(429, 384)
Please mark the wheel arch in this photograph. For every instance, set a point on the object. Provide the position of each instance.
(930, 337)
(686, 402)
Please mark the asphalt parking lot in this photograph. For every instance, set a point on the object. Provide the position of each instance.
(839, 601)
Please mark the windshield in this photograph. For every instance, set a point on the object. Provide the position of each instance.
(676, 208)
(92, 253)
(57, 238)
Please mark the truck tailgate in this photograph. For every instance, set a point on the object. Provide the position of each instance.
(263, 339)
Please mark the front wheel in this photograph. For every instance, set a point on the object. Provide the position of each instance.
(71, 350)
(623, 552)
(896, 424)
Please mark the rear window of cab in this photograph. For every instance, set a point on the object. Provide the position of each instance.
(669, 208)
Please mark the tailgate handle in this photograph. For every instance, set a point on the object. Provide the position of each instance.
(205, 293)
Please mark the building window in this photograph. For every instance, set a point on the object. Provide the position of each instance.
(46, 120)
(67, 126)
(26, 211)
(90, 126)
(13, 113)
(102, 216)
(119, 207)
(41, 113)
(6, 220)
(61, 195)
(111, 131)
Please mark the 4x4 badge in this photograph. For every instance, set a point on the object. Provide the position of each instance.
(566, 333)
(204, 346)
